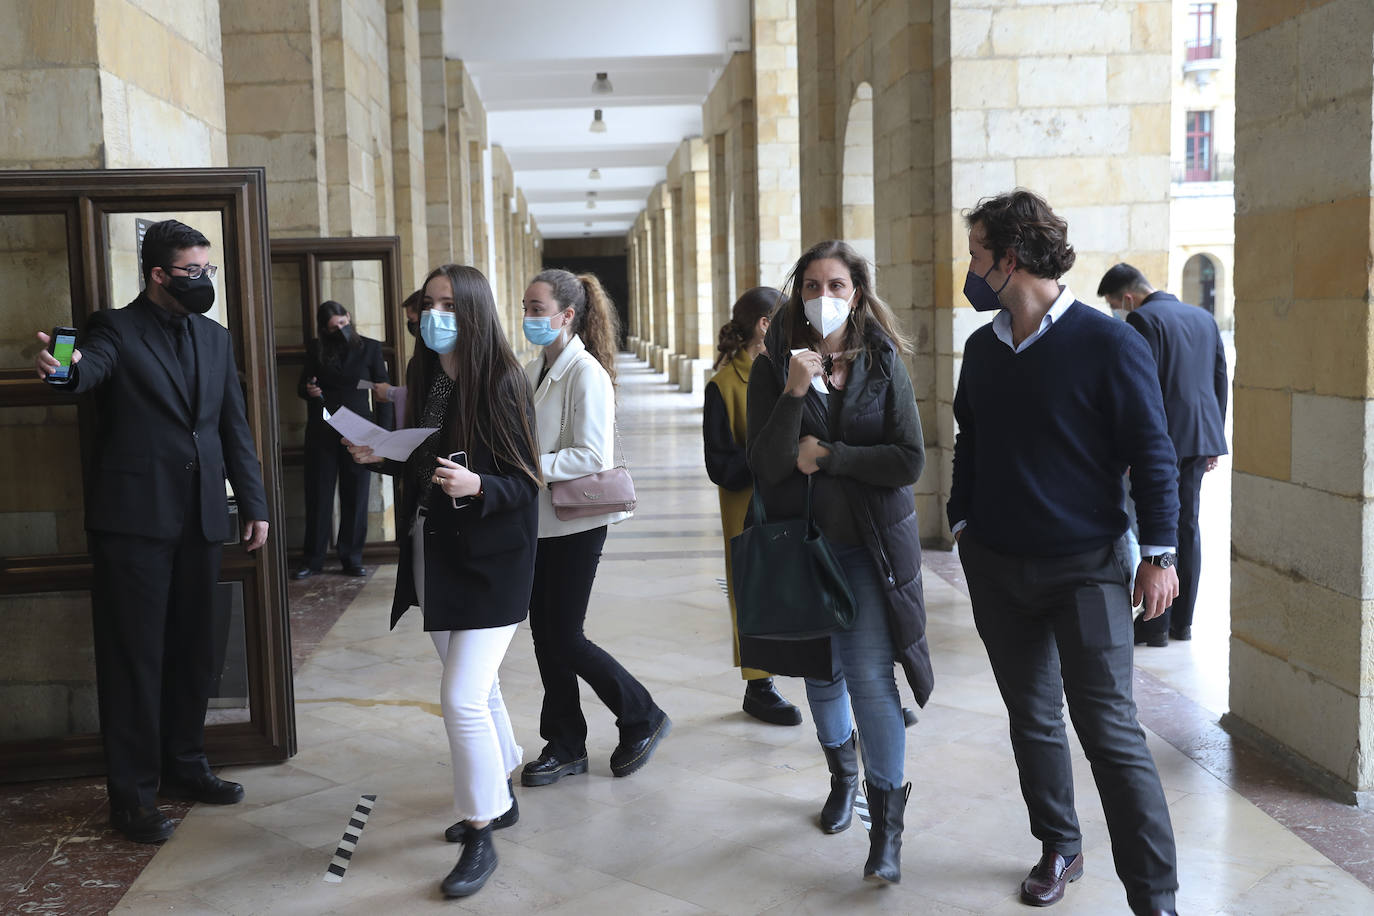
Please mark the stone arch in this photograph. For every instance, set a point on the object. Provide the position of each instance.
(856, 175)
(1202, 284)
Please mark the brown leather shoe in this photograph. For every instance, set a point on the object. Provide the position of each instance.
(1046, 882)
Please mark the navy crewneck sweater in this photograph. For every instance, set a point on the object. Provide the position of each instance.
(1046, 434)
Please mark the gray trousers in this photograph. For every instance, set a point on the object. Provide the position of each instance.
(1060, 628)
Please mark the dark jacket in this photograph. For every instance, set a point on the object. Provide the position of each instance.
(863, 486)
(338, 383)
(1192, 372)
(479, 560)
(153, 436)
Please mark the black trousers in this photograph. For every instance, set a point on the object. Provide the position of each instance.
(1060, 628)
(1180, 613)
(326, 463)
(564, 569)
(154, 652)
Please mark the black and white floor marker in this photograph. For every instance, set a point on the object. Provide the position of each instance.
(724, 589)
(861, 809)
(352, 833)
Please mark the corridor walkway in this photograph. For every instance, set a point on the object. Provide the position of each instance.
(722, 820)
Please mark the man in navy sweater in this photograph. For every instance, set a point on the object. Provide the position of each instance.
(1055, 401)
(1191, 362)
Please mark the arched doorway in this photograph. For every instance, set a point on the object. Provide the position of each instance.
(1201, 276)
(856, 180)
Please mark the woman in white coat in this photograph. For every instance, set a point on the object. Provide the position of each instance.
(574, 383)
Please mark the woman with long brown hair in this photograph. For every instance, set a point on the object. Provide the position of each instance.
(723, 433)
(832, 412)
(573, 319)
(469, 496)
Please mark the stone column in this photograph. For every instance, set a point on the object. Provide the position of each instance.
(661, 221)
(1302, 574)
(440, 182)
(776, 153)
(410, 107)
(692, 205)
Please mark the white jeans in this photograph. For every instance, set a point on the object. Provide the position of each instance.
(480, 738)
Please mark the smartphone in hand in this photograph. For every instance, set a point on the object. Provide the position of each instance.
(461, 459)
(61, 345)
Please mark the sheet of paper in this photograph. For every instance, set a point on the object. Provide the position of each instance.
(396, 445)
(816, 381)
(365, 385)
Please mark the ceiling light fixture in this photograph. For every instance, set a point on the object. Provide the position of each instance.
(594, 174)
(601, 86)
(598, 126)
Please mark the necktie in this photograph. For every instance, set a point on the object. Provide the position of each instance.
(186, 355)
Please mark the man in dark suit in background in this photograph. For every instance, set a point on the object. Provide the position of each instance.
(1192, 374)
(170, 428)
(335, 362)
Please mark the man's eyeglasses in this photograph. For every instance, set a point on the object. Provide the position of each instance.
(195, 271)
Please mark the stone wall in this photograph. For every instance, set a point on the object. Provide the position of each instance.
(1302, 572)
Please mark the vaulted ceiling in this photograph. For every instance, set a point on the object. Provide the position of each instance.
(534, 63)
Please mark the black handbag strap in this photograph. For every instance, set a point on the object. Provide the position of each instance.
(760, 518)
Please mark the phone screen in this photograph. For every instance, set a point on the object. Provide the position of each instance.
(460, 459)
(62, 344)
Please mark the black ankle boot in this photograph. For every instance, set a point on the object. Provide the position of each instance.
(888, 810)
(838, 810)
(474, 866)
(459, 831)
(763, 702)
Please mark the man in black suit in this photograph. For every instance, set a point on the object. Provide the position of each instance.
(170, 428)
(1192, 374)
(335, 362)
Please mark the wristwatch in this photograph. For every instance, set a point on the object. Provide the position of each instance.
(1162, 560)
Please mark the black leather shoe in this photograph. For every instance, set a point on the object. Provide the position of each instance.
(763, 702)
(206, 788)
(909, 716)
(630, 756)
(887, 808)
(1046, 882)
(458, 833)
(1182, 634)
(474, 866)
(357, 572)
(1155, 639)
(142, 825)
(550, 768)
(305, 572)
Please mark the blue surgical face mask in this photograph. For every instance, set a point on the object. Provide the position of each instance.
(439, 330)
(980, 293)
(538, 332)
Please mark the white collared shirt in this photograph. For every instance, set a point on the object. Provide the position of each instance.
(1001, 324)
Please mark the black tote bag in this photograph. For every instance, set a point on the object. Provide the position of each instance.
(788, 583)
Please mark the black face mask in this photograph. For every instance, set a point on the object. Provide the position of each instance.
(344, 335)
(196, 296)
(413, 327)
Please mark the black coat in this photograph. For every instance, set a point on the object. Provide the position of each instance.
(1192, 372)
(885, 516)
(153, 435)
(338, 383)
(479, 560)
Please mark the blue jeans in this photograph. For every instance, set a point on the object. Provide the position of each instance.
(864, 677)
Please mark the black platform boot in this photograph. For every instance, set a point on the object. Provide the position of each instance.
(474, 866)
(838, 810)
(459, 831)
(888, 810)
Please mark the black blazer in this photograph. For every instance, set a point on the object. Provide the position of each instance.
(153, 436)
(339, 387)
(1192, 371)
(479, 560)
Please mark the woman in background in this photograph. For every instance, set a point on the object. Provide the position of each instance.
(574, 397)
(723, 433)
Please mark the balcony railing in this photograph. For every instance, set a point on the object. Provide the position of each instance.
(1221, 167)
(1201, 49)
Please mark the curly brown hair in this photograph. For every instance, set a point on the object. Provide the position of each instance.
(1022, 222)
(735, 334)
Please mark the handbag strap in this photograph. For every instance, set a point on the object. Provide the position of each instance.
(761, 518)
